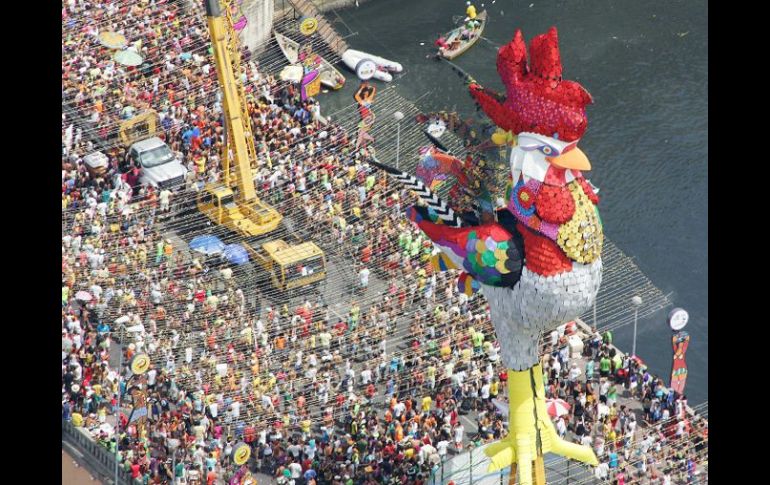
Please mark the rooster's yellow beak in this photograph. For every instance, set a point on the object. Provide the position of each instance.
(574, 159)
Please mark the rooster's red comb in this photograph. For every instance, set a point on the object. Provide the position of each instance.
(537, 100)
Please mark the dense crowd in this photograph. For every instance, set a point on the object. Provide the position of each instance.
(367, 393)
(658, 443)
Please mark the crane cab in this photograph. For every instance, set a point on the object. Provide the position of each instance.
(218, 203)
(289, 266)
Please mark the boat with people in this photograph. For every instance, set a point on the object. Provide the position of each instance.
(462, 38)
(331, 77)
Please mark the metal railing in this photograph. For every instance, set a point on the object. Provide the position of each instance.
(100, 458)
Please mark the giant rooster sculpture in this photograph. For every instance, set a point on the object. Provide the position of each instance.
(539, 258)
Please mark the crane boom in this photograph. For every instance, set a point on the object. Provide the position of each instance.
(243, 212)
(233, 111)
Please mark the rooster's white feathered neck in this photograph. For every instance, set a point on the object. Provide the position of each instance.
(528, 161)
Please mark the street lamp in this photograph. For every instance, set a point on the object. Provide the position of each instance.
(637, 302)
(398, 116)
(117, 410)
(173, 445)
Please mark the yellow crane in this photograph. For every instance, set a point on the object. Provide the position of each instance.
(288, 266)
(239, 210)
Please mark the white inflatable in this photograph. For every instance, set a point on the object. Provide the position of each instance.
(363, 64)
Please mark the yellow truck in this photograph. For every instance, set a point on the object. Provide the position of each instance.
(289, 266)
(252, 218)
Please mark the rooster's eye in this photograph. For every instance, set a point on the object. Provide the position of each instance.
(546, 150)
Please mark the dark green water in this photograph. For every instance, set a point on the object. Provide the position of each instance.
(645, 63)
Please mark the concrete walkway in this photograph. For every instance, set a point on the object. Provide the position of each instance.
(73, 473)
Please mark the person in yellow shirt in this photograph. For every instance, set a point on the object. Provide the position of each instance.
(446, 351)
(426, 402)
(305, 425)
(200, 162)
(494, 388)
(77, 419)
(470, 12)
(467, 354)
(472, 21)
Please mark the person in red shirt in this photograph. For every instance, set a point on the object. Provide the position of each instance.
(135, 469)
(249, 434)
(366, 254)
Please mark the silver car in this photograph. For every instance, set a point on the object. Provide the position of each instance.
(160, 167)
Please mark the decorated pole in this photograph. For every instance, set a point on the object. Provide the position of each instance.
(680, 340)
(117, 414)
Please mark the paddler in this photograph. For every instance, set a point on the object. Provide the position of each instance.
(470, 16)
(441, 42)
(470, 12)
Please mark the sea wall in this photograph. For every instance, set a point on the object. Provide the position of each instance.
(322, 5)
(259, 15)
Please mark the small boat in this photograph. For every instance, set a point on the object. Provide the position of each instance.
(456, 45)
(367, 66)
(330, 77)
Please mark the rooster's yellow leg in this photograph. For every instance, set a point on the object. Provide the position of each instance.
(530, 431)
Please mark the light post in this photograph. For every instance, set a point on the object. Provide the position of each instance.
(117, 412)
(637, 302)
(398, 117)
(173, 446)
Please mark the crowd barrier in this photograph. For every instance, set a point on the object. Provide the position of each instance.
(99, 457)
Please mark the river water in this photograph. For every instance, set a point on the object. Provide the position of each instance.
(645, 63)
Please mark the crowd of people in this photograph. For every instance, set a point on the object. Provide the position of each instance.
(370, 392)
(657, 442)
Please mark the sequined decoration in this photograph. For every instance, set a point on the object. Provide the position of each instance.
(537, 98)
(581, 238)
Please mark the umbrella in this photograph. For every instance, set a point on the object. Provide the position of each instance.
(128, 58)
(207, 244)
(83, 296)
(557, 407)
(236, 254)
(113, 40)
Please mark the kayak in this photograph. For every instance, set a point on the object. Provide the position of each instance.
(456, 45)
(330, 77)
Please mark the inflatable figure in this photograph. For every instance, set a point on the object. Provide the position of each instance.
(538, 260)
